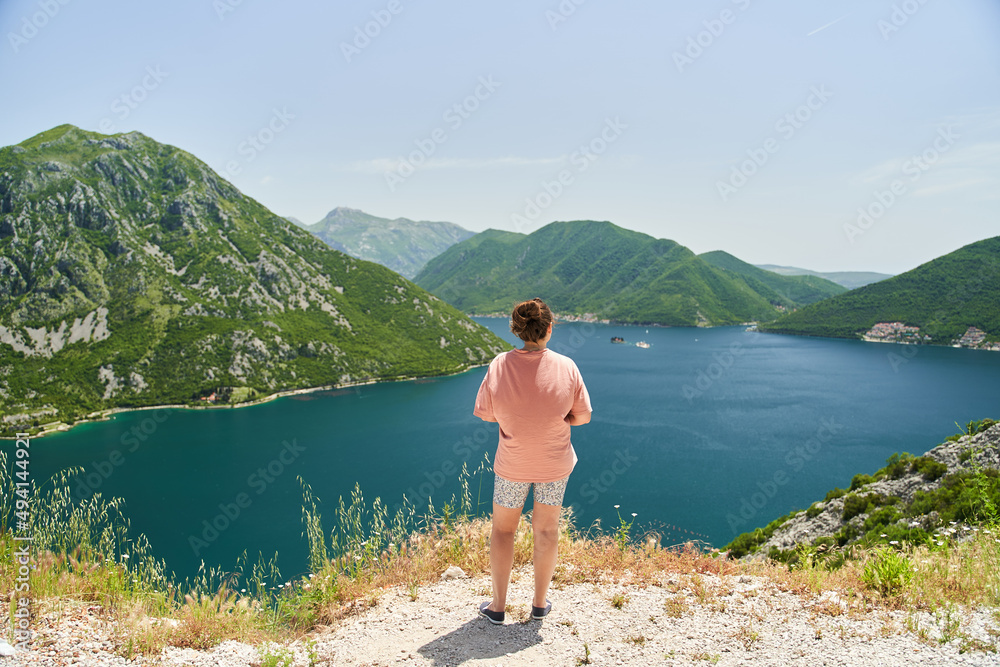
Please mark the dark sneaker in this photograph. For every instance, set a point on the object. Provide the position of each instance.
(538, 613)
(494, 617)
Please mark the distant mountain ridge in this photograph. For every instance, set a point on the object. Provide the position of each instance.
(402, 245)
(597, 268)
(787, 291)
(848, 279)
(944, 297)
(133, 274)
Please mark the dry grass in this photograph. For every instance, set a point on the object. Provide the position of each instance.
(676, 607)
(966, 574)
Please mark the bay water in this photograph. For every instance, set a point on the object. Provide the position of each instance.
(704, 434)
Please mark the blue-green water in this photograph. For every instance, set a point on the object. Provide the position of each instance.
(706, 434)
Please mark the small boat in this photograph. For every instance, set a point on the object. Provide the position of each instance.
(617, 339)
(643, 344)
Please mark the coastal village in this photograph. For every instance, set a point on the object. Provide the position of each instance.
(897, 332)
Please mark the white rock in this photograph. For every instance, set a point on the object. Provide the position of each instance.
(453, 572)
(6, 650)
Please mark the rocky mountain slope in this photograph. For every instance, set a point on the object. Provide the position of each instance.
(951, 489)
(599, 268)
(403, 245)
(132, 274)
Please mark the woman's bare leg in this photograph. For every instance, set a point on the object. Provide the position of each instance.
(505, 522)
(545, 529)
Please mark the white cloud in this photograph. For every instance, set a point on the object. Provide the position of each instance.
(824, 27)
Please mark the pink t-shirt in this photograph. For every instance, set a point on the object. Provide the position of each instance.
(530, 394)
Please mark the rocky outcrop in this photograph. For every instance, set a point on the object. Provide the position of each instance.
(43, 342)
(967, 454)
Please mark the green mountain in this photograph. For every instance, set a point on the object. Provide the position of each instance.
(597, 268)
(848, 279)
(789, 291)
(403, 245)
(943, 297)
(132, 274)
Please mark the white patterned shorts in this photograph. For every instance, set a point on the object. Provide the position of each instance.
(513, 494)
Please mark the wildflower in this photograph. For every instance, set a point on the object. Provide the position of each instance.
(634, 514)
(914, 524)
(952, 522)
(940, 543)
(125, 556)
(243, 590)
(884, 535)
(617, 506)
(893, 541)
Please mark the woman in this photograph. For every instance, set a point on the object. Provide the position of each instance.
(536, 395)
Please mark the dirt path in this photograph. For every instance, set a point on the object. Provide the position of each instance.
(690, 619)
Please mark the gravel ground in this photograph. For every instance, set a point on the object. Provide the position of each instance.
(702, 620)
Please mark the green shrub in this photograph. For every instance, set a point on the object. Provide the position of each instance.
(897, 465)
(976, 427)
(961, 497)
(826, 540)
(929, 468)
(881, 518)
(972, 428)
(845, 535)
(814, 510)
(745, 543)
(781, 556)
(888, 572)
(834, 493)
(860, 480)
(855, 504)
(900, 533)
(275, 656)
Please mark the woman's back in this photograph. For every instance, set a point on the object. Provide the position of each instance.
(530, 394)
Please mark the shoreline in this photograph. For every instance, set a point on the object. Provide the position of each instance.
(862, 339)
(106, 415)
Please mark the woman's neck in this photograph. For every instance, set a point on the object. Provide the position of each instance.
(533, 347)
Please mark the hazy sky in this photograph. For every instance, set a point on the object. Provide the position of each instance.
(760, 128)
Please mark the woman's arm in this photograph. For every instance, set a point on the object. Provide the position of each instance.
(578, 420)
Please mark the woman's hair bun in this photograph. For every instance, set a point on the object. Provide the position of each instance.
(530, 320)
